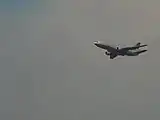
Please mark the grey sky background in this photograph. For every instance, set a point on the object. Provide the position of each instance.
(50, 69)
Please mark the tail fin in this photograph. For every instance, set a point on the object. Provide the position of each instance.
(138, 44)
(139, 52)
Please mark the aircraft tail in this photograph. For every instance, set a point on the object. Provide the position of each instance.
(139, 52)
(138, 44)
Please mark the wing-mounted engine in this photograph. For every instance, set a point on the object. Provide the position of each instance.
(107, 53)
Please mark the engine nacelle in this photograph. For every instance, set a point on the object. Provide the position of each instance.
(107, 53)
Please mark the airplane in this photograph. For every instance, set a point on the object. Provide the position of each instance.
(113, 52)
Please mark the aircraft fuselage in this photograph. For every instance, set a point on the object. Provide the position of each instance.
(122, 52)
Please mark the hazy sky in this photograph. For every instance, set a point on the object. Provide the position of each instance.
(50, 69)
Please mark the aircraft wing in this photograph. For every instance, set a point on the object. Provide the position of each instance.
(110, 49)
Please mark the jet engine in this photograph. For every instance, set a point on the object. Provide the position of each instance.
(107, 53)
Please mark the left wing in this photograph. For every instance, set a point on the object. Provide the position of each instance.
(110, 49)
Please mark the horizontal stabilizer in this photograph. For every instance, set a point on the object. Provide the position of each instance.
(139, 52)
(138, 45)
